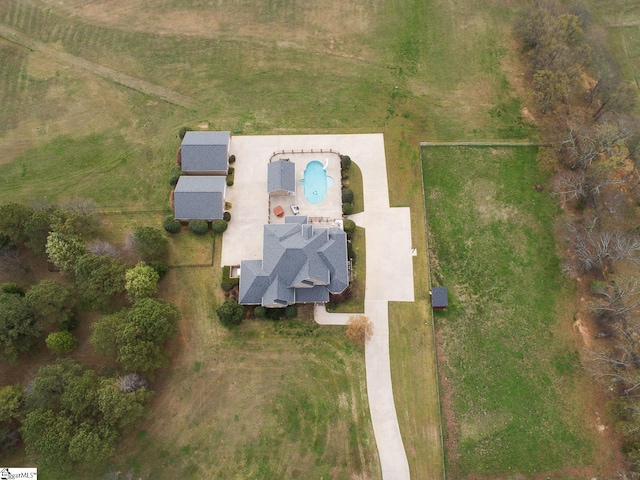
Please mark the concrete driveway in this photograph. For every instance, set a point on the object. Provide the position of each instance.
(389, 259)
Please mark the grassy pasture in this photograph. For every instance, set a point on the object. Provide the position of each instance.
(512, 374)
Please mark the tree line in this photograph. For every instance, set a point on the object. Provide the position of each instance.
(69, 413)
(586, 108)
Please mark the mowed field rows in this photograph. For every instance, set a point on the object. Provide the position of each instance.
(268, 400)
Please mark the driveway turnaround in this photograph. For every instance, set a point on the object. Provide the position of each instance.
(389, 259)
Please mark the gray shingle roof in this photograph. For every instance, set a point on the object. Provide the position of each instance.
(300, 263)
(281, 175)
(199, 197)
(205, 152)
(439, 297)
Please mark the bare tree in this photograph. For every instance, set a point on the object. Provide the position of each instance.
(131, 382)
(579, 148)
(359, 329)
(102, 247)
(593, 247)
(617, 299)
(83, 206)
(12, 261)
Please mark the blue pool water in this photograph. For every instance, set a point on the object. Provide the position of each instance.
(315, 182)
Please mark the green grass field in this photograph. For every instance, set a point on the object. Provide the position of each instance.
(513, 374)
(415, 71)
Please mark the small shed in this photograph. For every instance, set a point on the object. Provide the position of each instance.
(199, 198)
(281, 178)
(439, 298)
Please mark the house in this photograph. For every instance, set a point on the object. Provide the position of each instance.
(281, 178)
(205, 153)
(439, 298)
(300, 264)
(199, 198)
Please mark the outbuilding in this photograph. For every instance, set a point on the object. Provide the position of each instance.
(199, 198)
(439, 298)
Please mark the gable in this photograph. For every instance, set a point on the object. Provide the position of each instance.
(281, 175)
(299, 264)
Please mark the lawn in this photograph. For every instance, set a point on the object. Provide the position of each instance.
(511, 372)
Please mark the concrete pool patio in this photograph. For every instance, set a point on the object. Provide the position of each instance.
(389, 274)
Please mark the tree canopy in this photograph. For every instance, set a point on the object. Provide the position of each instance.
(52, 302)
(137, 335)
(141, 281)
(65, 250)
(99, 278)
(76, 416)
(18, 326)
(150, 243)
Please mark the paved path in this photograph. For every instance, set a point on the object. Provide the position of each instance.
(105, 72)
(389, 259)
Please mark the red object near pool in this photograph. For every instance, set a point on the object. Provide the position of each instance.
(279, 211)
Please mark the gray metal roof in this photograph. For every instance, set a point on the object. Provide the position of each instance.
(300, 263)
(199, 197)
(281, 175)
(205, 151)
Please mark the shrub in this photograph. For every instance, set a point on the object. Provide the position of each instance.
(291, 312)
(183, 131)
(347, 195)
(160, 266)
(61, 342)
(226, 217)
(330, 306)
(359, 329)
(274, 313)
(232, 158)
(227, 281)
(231, 171)
(176, 173)
(199, 227)
(230, 313)
(349, 226)
(345, 162)
(219, 226)
(230, 182)
(259, 312)
(171, 225)
(347, 208)
(13, 288)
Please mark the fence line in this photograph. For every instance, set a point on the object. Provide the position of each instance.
(312, 150)
(485, 144)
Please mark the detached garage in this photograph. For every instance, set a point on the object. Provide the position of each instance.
(199, 198)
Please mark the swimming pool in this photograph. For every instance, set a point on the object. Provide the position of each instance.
(316, 182)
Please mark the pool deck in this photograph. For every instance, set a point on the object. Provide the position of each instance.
(252, 207)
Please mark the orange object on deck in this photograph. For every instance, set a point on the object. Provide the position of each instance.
(279, 211)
